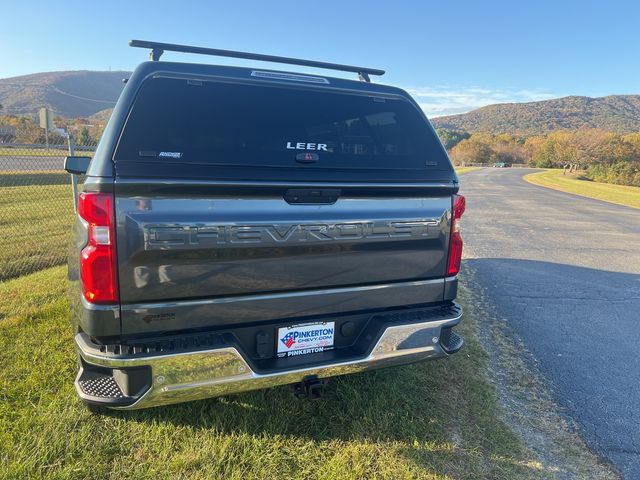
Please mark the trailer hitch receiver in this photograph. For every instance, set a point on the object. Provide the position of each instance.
(311, 388)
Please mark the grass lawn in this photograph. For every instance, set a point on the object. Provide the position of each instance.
(52, 151)
(572, 183)
(36, 214)
(432, 420)
(466, 169)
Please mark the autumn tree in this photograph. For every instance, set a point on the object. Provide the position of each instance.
(509, 153)
(633, 139)
(84, 137)
(508, 148)
(27, 131)
(450, 138)
(603, 156)
(559, 149)
(532, 145)
(474, 149)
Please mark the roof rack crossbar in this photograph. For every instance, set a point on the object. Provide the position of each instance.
(157, 49)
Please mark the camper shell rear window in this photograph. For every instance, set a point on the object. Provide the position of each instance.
(263, 130)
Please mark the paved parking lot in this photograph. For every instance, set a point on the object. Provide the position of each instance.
(565, 272)
(28, 163)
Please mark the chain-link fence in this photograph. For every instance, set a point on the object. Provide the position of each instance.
(36, 204)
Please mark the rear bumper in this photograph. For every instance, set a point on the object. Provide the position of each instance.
(187, 376)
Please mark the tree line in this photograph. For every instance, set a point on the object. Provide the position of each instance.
(601, 155)
(26, 129)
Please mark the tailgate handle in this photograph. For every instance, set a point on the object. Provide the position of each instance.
(312, 195)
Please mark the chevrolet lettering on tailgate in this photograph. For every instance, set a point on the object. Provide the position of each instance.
(194, 235)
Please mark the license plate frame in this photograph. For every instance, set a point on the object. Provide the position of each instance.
(304, 339)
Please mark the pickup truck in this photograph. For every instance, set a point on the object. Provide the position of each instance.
(242, 228)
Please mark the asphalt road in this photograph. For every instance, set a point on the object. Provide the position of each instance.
(26, 163)
(565, 272)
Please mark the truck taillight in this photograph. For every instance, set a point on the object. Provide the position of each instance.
(98, 258)
(455, 243)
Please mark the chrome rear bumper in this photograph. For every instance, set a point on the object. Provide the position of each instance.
(187, 376)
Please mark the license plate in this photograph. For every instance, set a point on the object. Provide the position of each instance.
(304, 339)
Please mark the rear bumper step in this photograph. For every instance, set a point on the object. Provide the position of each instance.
(134, 381)
(450, 341)
(111, 387)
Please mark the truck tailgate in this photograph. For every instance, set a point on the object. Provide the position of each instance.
(197, 259)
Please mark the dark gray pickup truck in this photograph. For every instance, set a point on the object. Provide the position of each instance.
(242, 228)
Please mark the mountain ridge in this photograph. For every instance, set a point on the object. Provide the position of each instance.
(615, 113)
(70, 94)
(86, 93)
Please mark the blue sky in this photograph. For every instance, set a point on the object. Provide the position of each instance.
(452, 56)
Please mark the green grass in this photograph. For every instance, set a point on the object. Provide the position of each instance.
(572, 183)
(35, 222)
(36, 214)
(34, 177)
(53, 151)
(431, 420)
(466, 169)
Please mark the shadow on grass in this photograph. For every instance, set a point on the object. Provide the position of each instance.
(437, 417)
(396, 403)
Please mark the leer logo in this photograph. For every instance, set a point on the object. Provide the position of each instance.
(288, 340)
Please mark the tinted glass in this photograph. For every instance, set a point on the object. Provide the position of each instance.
(175, 121)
